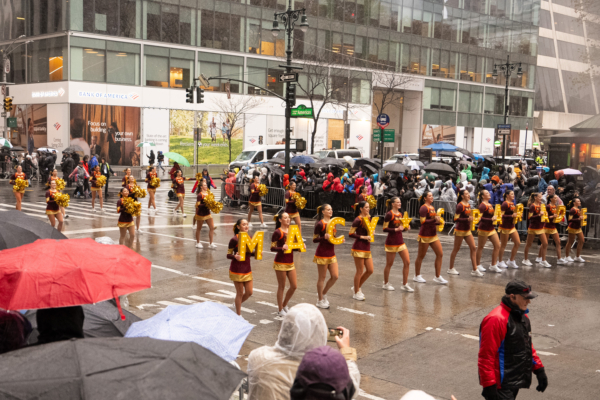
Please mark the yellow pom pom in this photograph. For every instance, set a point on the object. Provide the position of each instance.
(60, 184)
(62, 199)
(199, 176)
(372, 201)
(263, 190)
(155, 182)
(100, 181)
(299, 200)
(132, 207)
(20, 185)
(214, 206)
(138, 192)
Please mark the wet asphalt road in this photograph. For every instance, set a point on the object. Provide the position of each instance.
(423, 340)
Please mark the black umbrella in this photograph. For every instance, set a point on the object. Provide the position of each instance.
(447, 154)
(277, 161)
(465, 152)
(371, 169)
(17, 228)
(333, 161)
(367, 161)
(73, 149)
(101, 320)
(440, 168)
(117, 368)
(465, 162)
(396, 167)
(490, 159)
(17, 148)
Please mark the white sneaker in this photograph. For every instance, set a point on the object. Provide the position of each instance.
(440, 280)
(102, 211)
(495, 268)
(579, 259)
(93, 210)
(538, 260)
(199, 245)
(387, 286)
(452, 271)
(419, 278)
(546, 264)
(527, 263)
(286, 309)
(358, 296)
(322, 304)
(184, 216)
(407, 288)
(480, 268)
(561, 261)
(139, 232)
(569, 259)
(263, 225)
(326, 300)
(477, 273)
(281, 313)
(174, 212)
(502, 264)
(512, 264)
(212, 246)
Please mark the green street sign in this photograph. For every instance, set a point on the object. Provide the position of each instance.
(302, 112)
(12, 122)
(389, 135)
(497, 143)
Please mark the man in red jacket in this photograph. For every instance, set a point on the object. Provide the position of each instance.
(506, 354)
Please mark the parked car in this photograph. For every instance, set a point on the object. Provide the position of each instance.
(256, 154)
(338, 153)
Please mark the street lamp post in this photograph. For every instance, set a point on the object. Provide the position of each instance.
(507, 70)
(289, 18)
(5, 53)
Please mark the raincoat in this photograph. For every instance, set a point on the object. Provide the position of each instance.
(272, 370)
(484, 174)
(421, 187)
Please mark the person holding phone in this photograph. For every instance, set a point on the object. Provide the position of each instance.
(325, 255)
(240, 272)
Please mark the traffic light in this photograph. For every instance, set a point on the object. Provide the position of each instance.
(7, 104)
(189, 95)
(291, 95)
(199, 95)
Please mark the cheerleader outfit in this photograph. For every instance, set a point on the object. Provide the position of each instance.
(536, 226)
(149, 177)
(507, 226)
(360, 248)
(283, 261)
(290, 204)
(254, 199)
(428, 230)
(574, 221)
(93, 182)
(14, 178)
(50, 179)
(179, 186)
(462, 226)
(550, 226)
(51, 207)
(239, 271)
(394, 242)
(486, 225)
(202, 211)
(130, 188)
(325, 253)
(125, 219)
(125, 181)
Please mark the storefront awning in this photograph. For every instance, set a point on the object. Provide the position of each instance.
(589, 125)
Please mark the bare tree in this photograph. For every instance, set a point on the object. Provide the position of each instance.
(236, 110)
(588, 12)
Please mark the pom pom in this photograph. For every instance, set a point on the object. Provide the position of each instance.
(263, 190)
(138, 192)
(199, 176)
(100, 181)
(155, 182)
(132, 207)
(300, 201)
(372, 202)
(60, 184)
(62, 199)
(20, 185)
(214, 206)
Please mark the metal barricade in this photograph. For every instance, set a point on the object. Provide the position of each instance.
(233, 194)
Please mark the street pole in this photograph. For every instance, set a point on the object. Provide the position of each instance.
(381, 145)
(507, 70)
(505, 113)
(525, 150)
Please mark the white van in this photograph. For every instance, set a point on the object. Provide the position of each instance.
(255, 154)
(340, 153)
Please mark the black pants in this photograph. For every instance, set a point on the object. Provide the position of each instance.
(106, 188)
(507, 394)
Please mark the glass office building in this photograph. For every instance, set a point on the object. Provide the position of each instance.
(142, 53)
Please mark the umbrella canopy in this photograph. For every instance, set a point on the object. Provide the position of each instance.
(146, 144)
(302, 159)
(5, 143)
(465, 162)
(350, 161)
(17, 148)
(46, 149)
(414, 164)
(449, 154)
(441, 146)
(73, 149)
(398, 166)
(101, 320)
(178, 158)
(477, 157)
(571, 171)
(490, 159)
(60, 273)
(465, 152)
(440, 168)
(334, 161)
(370, 169)
(279, 161)
(211, 325)
(367, 161)
(117, 368)
(18, 228)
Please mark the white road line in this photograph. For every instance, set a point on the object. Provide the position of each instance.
(184, 300)
(265, 321)
(266, 303)
(355, 311)
(169, 303)
(362, 393)
(142, 306)
(230, 293)
(41, 210)
(470, 336)
(542, 353)
(225, 304)
(227, 296)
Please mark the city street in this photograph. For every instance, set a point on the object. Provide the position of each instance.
(425, 340)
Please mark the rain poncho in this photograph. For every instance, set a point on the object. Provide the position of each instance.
(421, 188)
(272, 370)
(484, 174)
(437, 188)
(448, 193)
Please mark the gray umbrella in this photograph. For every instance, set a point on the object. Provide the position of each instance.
(396, 167)
(17, 228)
(73, 149)
(117, 368)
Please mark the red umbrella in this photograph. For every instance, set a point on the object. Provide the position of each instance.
(60, 273)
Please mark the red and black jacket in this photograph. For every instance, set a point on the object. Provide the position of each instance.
(506, 354)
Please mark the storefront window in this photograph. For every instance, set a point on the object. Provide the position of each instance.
(210, 64)
(156, 61)
(181, 68)
(88, 59)
(439, 96)
(123, 63)
(256, 75)
(47, 60)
